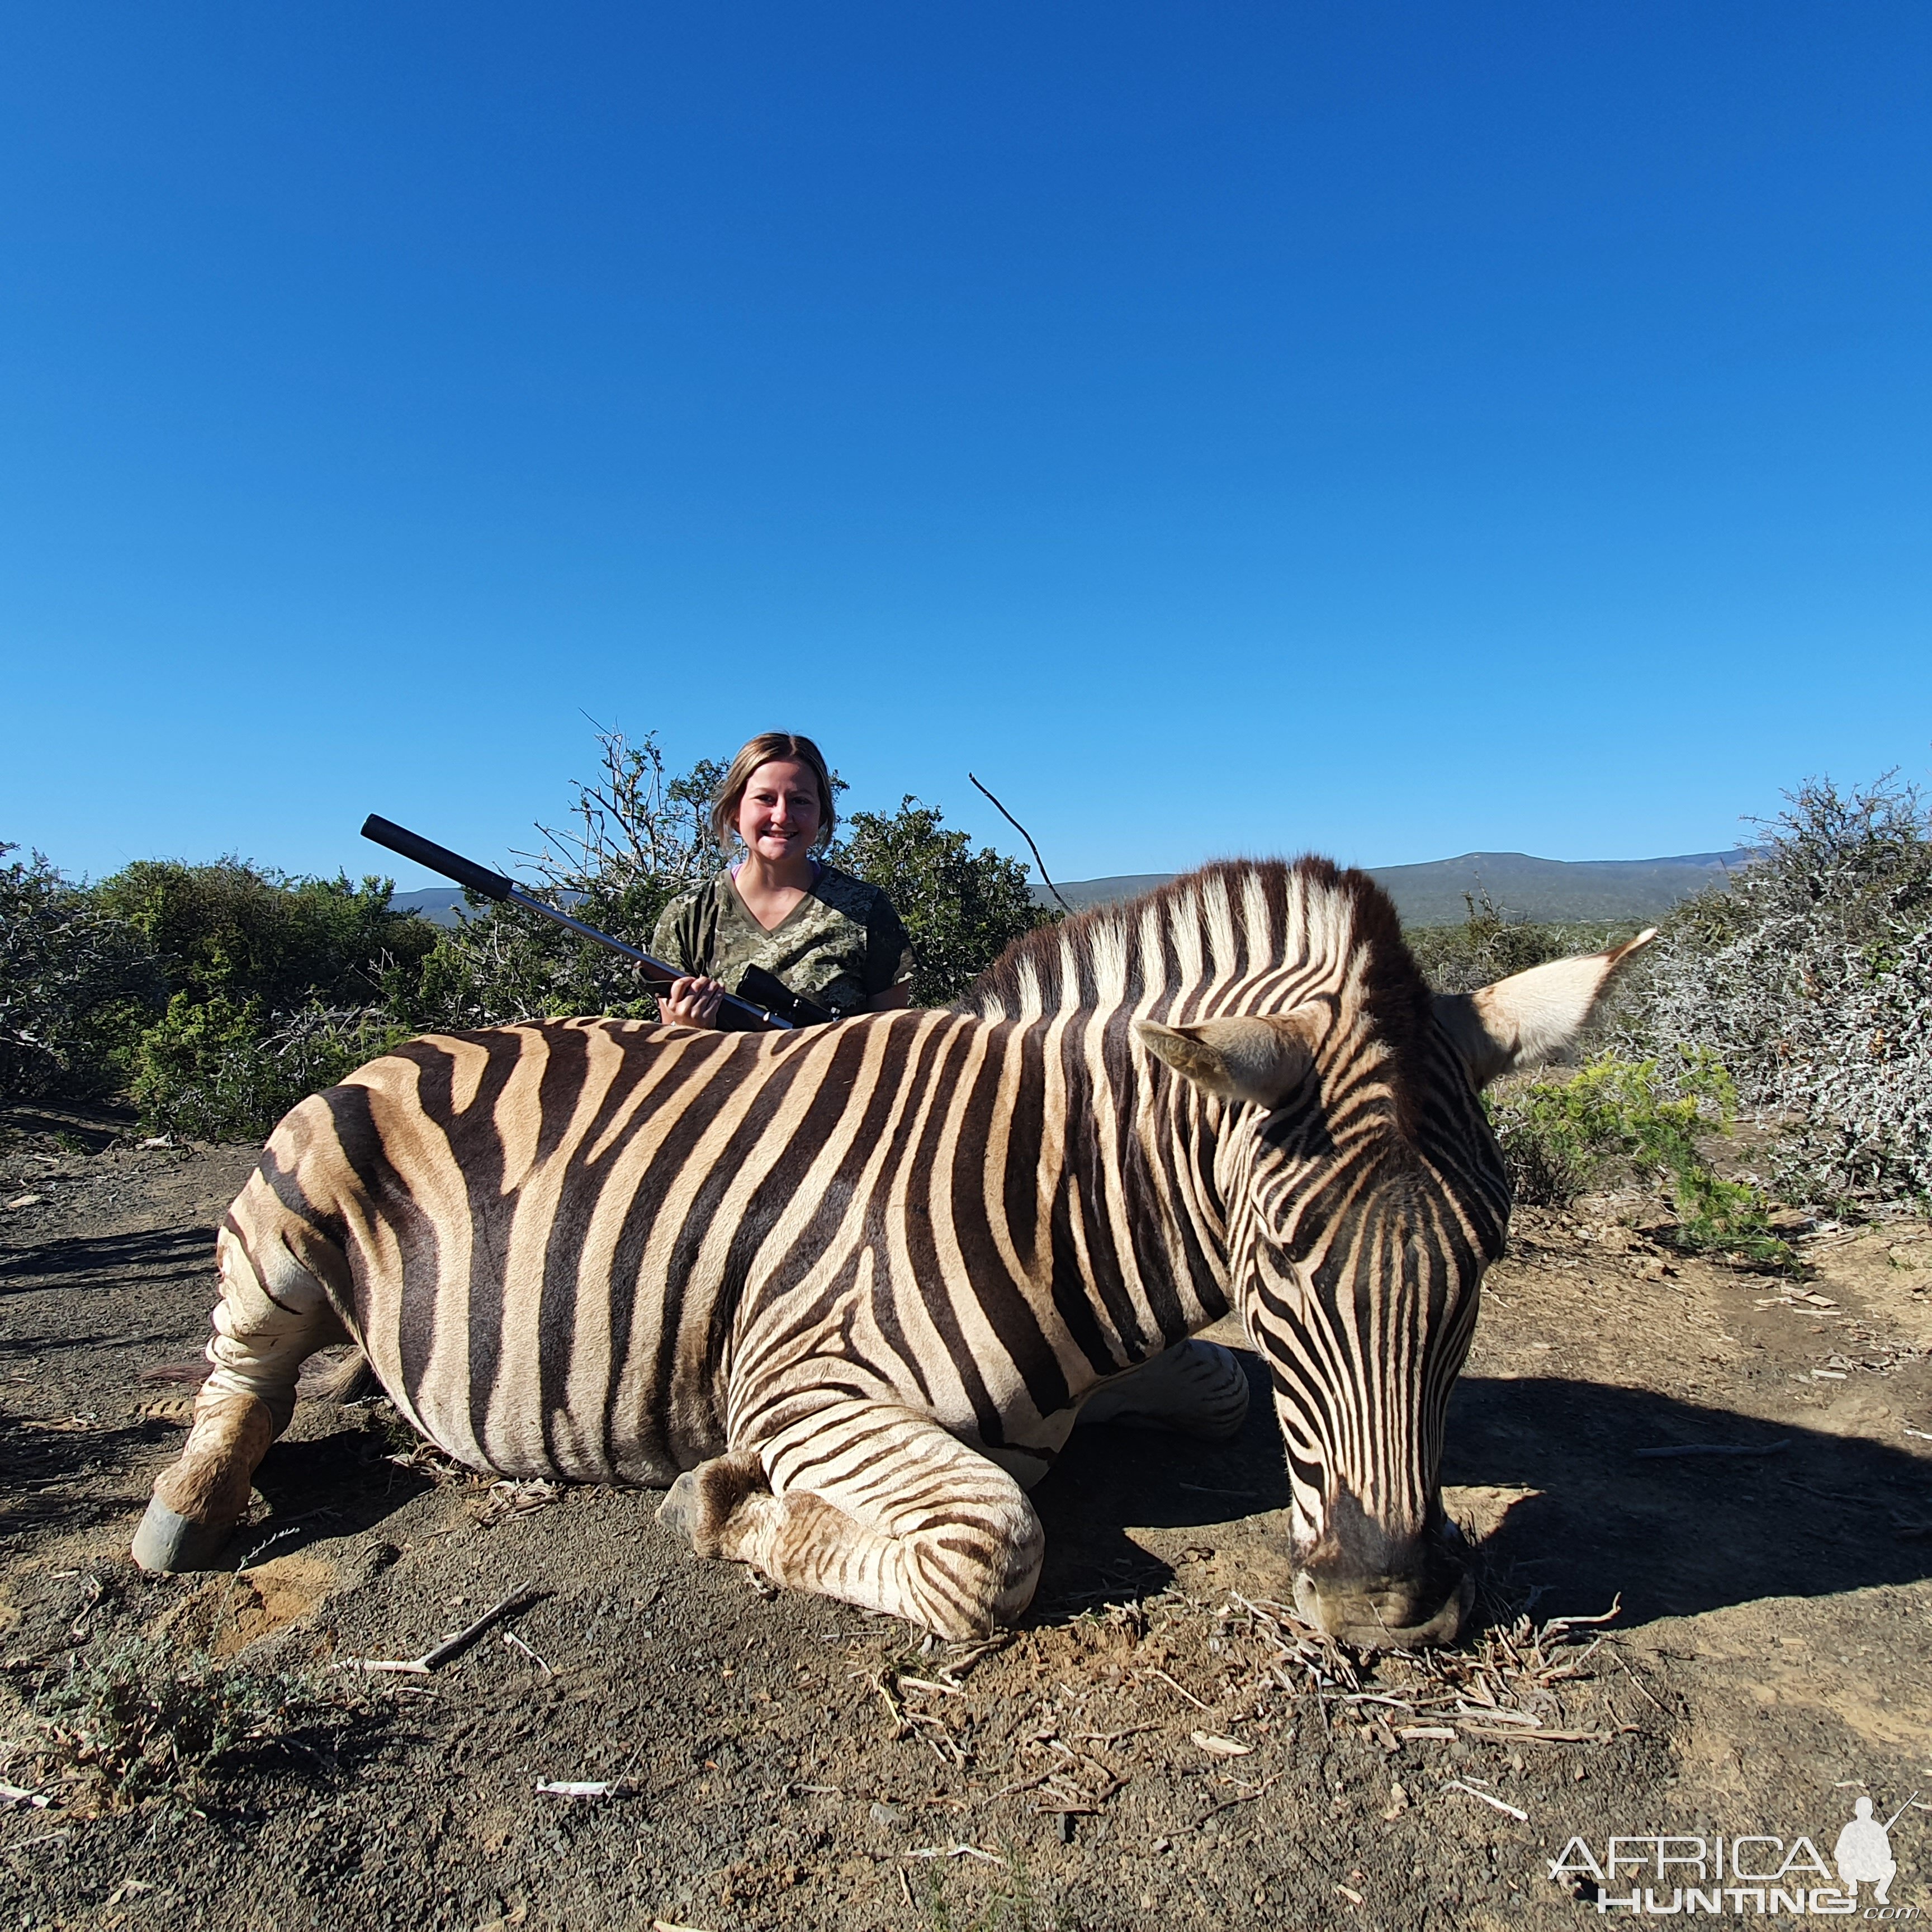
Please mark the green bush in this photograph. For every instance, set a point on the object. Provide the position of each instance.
(148, 1727)
(963, 908)
(77, 984)
(210, 1070)
(272, 988)
(237, 931)
(1559, 1136)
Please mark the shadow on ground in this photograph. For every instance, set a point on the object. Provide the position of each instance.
(1679, 1535)
(150, 1255)
(1673, 1536)
(337, 1485)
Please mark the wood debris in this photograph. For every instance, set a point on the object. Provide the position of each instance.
(1506, 1687)
(1501, 1805)
(439, 1655)
(1219, 1747)
(508, 1498)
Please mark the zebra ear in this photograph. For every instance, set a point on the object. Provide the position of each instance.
(1259, 1057)
(1518, 1021)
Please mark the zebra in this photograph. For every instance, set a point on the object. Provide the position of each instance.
(844, 1292)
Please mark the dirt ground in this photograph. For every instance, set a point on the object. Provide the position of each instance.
(1158, 1746)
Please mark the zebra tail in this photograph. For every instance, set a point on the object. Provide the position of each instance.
(352, 1379)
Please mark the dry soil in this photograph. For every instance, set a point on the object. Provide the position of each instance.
(1156, 1746)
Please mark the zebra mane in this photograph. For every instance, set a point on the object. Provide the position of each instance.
(1238, 927)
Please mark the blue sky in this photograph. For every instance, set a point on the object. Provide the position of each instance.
(1387, 430)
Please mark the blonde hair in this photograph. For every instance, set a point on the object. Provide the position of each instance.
(766, 748)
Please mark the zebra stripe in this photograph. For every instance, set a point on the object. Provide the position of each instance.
(848, 1287)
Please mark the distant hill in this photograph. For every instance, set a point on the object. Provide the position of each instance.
(439, 904)
(1544, 890)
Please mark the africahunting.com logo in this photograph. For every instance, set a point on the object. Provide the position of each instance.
(1754, 1874)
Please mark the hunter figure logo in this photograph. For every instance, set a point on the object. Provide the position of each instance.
(1756, 1874)
(1863, 1853)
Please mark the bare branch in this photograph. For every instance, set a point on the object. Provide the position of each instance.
(1030, 846)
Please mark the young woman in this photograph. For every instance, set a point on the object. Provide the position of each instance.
(828, 936)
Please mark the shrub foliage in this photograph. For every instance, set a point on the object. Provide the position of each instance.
(1810, 976)
(77, 984)
(961, 908)
(1558, 1136)
(1491, 943)
(138, 1726)
(217, 996)
(636, 838)
(1806, 978)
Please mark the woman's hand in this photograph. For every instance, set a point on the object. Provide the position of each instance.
(692, 1001)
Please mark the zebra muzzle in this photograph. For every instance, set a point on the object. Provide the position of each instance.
(1386, 1614)
(1409, 1594)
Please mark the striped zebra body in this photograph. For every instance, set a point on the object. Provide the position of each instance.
(599, 1250)
(847, 1289)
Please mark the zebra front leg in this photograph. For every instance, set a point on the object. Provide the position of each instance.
(876, 1505)
(1194, 1388)
(264, 1330)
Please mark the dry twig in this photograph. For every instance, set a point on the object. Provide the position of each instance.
(434, 1658)
(1456, 1784)
(1156, 1672)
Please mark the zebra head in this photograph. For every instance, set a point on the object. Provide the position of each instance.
(1364, 1197)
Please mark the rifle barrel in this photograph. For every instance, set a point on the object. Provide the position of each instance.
(479, 879)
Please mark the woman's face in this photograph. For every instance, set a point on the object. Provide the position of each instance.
(779, 817)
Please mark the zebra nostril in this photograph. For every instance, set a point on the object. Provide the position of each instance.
(1411, 1606)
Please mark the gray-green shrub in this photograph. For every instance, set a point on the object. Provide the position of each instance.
(637, 839)
(1810, 976)
(147, 1727)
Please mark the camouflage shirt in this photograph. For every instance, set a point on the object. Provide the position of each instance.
(840, 945)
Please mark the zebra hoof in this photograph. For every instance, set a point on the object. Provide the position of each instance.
(167, 1542)
(699, 1504)
(682, 1508)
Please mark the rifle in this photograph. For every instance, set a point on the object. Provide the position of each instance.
(782, 1010)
